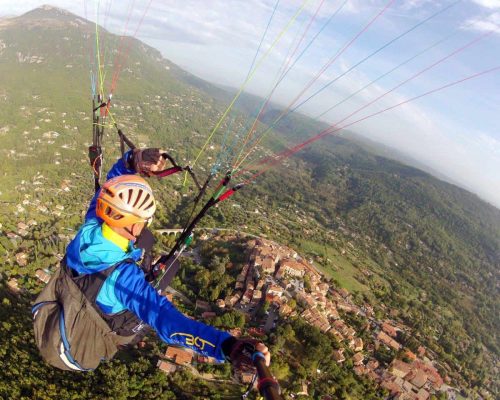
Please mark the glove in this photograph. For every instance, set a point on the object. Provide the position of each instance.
(148, 161)
(240, 351)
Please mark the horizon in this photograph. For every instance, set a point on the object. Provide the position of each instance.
(454, 132)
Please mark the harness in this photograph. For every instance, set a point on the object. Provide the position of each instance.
(124, 323)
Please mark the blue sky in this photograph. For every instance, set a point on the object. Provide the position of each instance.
(456, 131)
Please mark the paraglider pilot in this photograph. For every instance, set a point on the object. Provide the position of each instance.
(110, 236)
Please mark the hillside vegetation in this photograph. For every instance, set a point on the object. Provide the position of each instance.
(424, 250)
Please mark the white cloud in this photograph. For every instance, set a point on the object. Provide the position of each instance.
(486, 24)
(490, 4)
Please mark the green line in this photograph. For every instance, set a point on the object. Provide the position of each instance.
(249, 77)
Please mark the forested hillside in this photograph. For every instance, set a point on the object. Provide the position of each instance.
(421, 249)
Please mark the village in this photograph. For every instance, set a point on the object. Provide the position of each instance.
(276, 274)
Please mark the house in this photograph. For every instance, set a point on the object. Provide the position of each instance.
(202, 305)
(372, 364)
(247, 296)
(389, 329)
(273, 299)
(231, 301)
(400, 368)
(268, 265)
(42, 275)
(13, 286)
(340, 326)
(256, 332)
(357, 359)
(432, 374)
(388, 341)
(246, 377)
(338, 356)
(303, 390)
(22, 259)
(275, 290)
(179, 355)
(208, 315)
(291, 267)
(205, 360)
(418, 378)
(350, 308)
(166, 366)
(358, 344)
(423, 394)
(257, 295)
(393, 388)
(220, 303)
(323, 288)
(331, 312)
(349, 333)
(239, 286)
(22, 226)
(306, 300)
(285, 310)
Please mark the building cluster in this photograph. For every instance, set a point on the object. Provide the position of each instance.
(277, 274)
(411, 381)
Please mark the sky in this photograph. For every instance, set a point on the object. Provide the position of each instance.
(454, 131)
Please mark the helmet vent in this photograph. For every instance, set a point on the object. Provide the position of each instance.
(139, 195)
(145, 200)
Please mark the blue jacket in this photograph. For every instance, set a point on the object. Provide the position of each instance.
(126, 288)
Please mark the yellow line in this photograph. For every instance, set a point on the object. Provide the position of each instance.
(101, 80)
(249, 77)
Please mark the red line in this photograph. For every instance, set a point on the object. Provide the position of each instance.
(333, 129)
(471, 43)
(287, 61)
(330, 62)
(404, 82)
(118, 55)
(127, 51)
(313, 18)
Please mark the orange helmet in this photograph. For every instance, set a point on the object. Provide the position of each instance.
(126, 200)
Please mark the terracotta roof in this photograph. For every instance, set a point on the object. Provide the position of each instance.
(338, 355)
(387, 340)
(202, 305)
(389, 329)
(358, 358)
(418, 378)
(179, 355)
(268, 264)
(392, 387)
(400, 368)
(166, 366)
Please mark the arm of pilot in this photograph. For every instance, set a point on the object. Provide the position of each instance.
(119, 168)
(132, 290)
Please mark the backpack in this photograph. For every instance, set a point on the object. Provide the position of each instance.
(70, 330)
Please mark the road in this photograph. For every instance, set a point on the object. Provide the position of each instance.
(270, 319)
